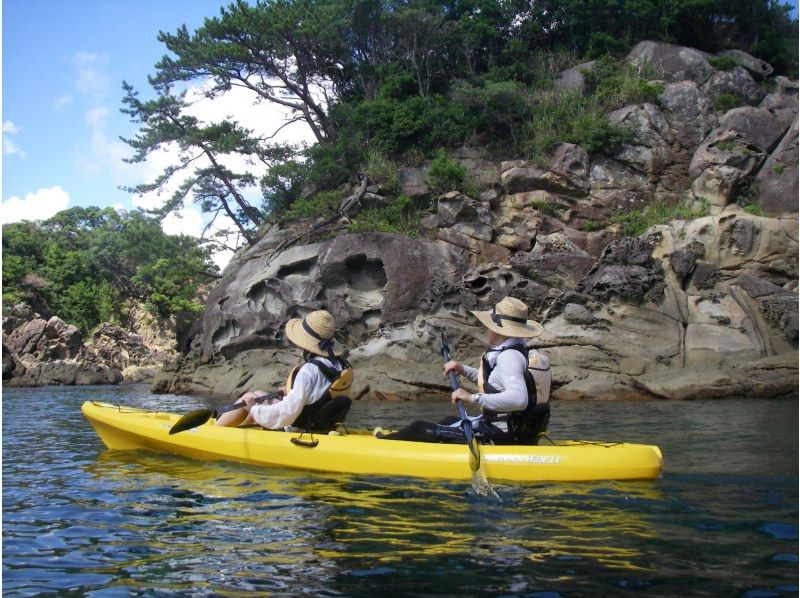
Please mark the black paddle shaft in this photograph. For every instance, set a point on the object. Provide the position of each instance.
(466, 424)
(198, 417)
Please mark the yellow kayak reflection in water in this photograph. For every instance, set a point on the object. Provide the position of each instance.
(323, 522)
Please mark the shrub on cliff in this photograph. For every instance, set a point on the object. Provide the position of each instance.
(402, 218)
(636, 222)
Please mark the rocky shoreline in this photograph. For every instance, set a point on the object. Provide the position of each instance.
(705, 307)
(48, 352)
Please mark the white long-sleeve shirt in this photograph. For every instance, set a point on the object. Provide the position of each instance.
(508, 377)
(308, 387)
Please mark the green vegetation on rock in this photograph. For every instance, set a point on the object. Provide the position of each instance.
(727, 101)
(405, 80)
(723, 63)
(636, 222)
(401, 217)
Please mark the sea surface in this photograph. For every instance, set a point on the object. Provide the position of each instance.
(82, 520)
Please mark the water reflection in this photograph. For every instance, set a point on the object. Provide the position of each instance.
(285, 514)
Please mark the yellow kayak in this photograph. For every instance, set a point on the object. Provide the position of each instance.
(127, 428)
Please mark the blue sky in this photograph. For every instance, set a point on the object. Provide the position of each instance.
(63, 64)
(63, 67)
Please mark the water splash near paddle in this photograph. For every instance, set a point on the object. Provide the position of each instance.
(482, 487)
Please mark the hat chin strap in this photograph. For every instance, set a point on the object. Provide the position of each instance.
(498, 318)
(325, 344)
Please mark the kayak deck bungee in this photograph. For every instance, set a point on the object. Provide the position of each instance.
(126, 428)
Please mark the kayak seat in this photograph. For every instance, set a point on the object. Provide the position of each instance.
(539, 422)
(324, 415)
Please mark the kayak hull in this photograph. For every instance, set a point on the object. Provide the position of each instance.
(125, 428)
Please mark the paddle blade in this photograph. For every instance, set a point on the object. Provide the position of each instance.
(474, 455)
(192, 420)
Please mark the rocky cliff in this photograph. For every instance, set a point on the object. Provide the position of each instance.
(699, 307)
(43, 352)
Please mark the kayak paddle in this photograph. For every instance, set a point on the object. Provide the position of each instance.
(201, 416)
(466, 425)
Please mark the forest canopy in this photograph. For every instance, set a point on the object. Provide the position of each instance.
(84, 263)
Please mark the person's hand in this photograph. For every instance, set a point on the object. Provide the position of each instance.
(462, 394)
(249, 400)
(455, 367)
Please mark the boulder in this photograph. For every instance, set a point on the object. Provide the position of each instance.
(778, 305)
(573, 79)
(736, 81)
(689, 113)
(571, 161)
(625, 270)
(120, 349)
(518, 179)
(777, 181)
(45, 340)
(757, 126)
(464, 215)
(718, 185)
(554, 262)
(12, 366)
(414, 182)
(732, 152)
(782, 100)
(755, 66)
(670, 62)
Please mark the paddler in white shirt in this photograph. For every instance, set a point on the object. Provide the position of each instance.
(315, 393)
(513, 385)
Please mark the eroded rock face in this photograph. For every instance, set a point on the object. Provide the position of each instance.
(624, 325)
(365, 280)
(64, 373)
(694, 308)
(733, 152)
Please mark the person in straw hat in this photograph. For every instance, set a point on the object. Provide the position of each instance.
(315, 393)
(513, 385)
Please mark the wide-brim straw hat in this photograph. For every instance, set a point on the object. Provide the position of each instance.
(510, 318)
(312, 332)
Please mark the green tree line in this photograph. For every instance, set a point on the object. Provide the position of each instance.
(400, 79)
(83, 263)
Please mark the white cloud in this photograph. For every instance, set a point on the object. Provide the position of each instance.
(39, 205)
(93, 83)
(10, 148)
(186, 222)
(62, 102)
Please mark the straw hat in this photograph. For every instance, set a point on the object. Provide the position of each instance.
(313, 333)
(510, 318)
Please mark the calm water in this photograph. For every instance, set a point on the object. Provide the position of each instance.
(78, 519)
